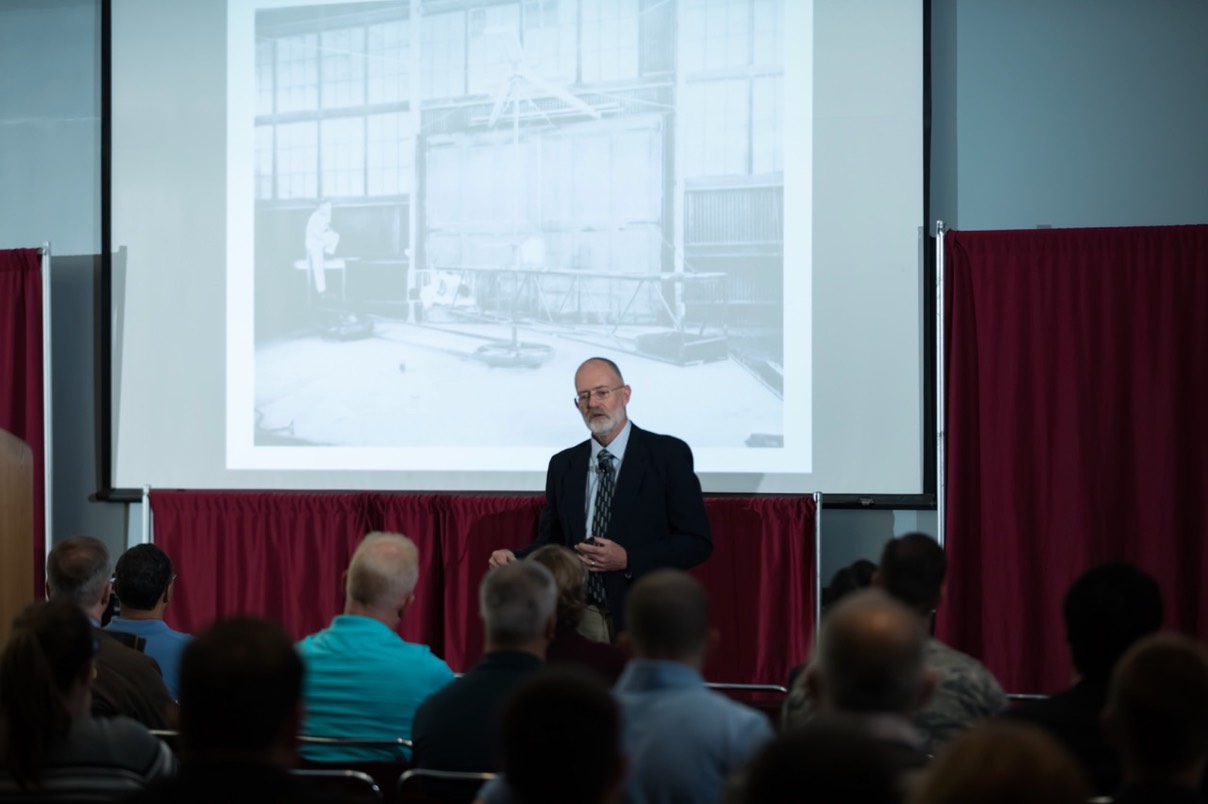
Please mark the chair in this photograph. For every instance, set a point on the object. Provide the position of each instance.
(767, 698)
(343, 784)
(424, 786)
(129, 640)
(385, 773)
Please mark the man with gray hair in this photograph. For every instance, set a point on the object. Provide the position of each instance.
(127, 682)
(455, 728)
(362, 679)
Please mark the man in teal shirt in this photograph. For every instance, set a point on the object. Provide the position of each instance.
(362, 679)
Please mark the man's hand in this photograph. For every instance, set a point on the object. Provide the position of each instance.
(501, 557)
(602, 555)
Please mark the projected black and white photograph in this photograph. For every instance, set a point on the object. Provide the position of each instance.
(454, 203)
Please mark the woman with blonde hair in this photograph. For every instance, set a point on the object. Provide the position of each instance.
(568, 645)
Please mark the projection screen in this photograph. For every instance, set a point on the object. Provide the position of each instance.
(364, 245)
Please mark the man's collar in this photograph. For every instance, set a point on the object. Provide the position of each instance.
(616, 447)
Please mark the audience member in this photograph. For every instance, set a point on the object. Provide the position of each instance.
(1002, 763)
(682, 739)
(852, 578)
(127, 681)
(826, 761)
(144, 582)
(362, 679)
(455, 727)
(1106, 610)
(240, 709)
(51, 749)
(1157, 714)
(568, 645)
(870, 671)
(560, 735)
(912, 571)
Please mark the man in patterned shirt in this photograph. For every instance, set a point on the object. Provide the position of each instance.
(912, 570)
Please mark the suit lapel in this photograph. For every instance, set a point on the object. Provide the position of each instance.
(629, 481)
(576, 494)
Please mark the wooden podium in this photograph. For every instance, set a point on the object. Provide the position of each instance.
(16, 529)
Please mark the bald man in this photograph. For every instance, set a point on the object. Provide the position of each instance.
(626, 500)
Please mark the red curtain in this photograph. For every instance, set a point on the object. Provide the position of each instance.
(21, 403)
(282, 555)
(1076, 392)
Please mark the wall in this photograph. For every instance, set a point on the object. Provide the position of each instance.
(1069, 113)
(1065, 113)
(50, 157)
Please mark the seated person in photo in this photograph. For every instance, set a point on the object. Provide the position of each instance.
(127, 682)
(854, 577)
(912, 571)
(240, 709)
(826, 761)
(51, 748)
(683, 740)
(362, 679)
(1107, 609)
(455, 728)
(560, 739)
(568, 645)
(1157, 716)
(1002, 763)
(870, 671)
(144, 581)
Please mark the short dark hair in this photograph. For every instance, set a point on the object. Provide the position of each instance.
(142, 576)
(560, 738)
(240, 683)
(78, 569)
(1159, 700)
(668, 615)
(830, 760)
(1107, 609)
(912, 570)
(855, 576)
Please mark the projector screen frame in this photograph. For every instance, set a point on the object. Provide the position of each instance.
(104, 381)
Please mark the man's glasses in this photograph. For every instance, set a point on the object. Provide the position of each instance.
(601, 394)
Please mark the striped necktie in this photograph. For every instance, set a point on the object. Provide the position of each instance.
(606, 484)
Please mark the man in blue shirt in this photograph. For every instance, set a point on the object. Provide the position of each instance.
(684, 742)
(143, 581)
(363, 680)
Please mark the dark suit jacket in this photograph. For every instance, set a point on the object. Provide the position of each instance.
(454, 728)
(658, 511)
(128, 683)
(1072, 717)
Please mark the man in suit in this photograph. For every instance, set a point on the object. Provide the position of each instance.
(626, 500)
(127, 682)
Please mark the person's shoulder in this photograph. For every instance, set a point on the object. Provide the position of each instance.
(570, 452)
(657, 441)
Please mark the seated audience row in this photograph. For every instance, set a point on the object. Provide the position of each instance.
(882, 711)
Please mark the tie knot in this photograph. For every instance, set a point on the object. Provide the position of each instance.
(605, 461)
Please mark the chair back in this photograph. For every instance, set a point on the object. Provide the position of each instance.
(425, 786)
(346, 785)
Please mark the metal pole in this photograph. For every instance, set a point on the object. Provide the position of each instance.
(817, 560)
(939, 382)
(47, 410)
(146, 534)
